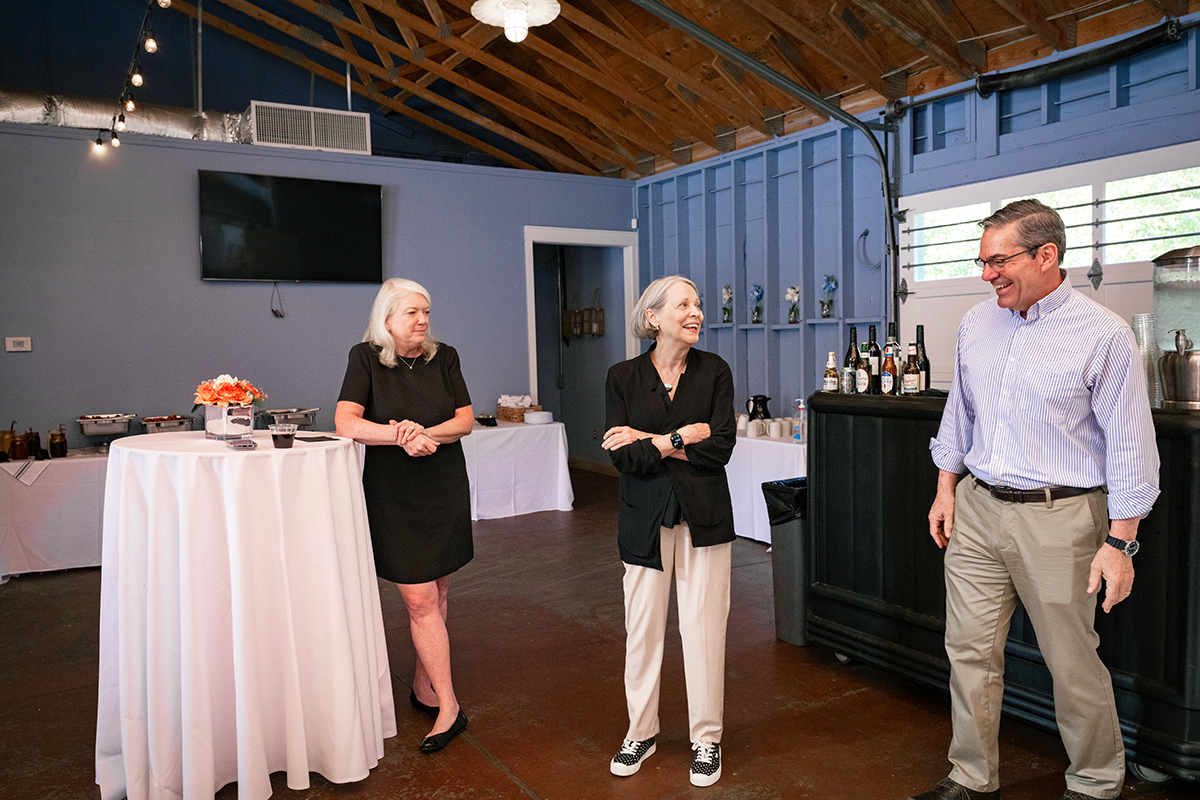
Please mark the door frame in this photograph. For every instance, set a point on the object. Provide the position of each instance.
(626, 240)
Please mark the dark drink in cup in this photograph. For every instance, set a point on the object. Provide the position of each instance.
(283, 434)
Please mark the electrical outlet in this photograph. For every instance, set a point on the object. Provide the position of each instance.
(18, 344)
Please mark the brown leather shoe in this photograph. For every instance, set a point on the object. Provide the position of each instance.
(1074, 795)
(951, 790)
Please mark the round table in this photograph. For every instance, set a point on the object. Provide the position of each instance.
(240, 624)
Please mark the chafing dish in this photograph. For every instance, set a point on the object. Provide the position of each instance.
(301, 417)
(171, 422)
(100, 424)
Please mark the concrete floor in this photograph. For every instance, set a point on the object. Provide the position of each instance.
(537, 638)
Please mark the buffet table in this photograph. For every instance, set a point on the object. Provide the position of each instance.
(51, 513)
(756, 460)
(517, 468)
(240, 624)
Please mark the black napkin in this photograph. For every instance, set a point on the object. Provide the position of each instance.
(315, 438)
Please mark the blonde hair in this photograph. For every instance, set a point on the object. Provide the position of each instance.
(653, 299)
(390, 295)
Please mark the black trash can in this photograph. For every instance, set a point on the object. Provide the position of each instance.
(787, 507)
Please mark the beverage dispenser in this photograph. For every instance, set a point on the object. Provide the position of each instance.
(1176, 314)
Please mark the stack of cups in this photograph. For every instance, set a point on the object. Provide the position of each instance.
(1147, 342)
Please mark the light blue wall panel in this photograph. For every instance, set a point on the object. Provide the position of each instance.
(100, 266)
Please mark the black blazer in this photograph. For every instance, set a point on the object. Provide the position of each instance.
(635, 396)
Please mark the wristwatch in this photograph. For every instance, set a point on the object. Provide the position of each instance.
(676, 440)
(1128, 548)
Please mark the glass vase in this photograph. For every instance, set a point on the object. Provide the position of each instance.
(726, 314)
(793, 315)
(826, 309)
(756, 315)
(233, 422)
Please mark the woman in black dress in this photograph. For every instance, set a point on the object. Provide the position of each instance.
(404, 397)
(670, 434)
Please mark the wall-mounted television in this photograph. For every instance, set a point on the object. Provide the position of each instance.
(267, 228)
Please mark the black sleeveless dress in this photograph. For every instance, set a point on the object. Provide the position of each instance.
(419, 509)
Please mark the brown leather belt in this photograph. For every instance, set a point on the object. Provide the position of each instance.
(1010, 495)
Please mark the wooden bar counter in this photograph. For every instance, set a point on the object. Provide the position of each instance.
(877, 592)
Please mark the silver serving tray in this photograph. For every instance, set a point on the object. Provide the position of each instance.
(100, 424)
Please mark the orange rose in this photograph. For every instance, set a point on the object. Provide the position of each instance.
(205, 394)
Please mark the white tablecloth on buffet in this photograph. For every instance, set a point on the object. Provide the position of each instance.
(756, 460)
(54, 522)
(240, 624)
(517, 468)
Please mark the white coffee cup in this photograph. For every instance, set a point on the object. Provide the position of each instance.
(742, 419)
(776, 428)
(755, 427)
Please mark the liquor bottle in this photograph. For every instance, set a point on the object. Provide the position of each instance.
(889, 375)
(922, 359)
(851, 363)
(873, 358)
(862, 372)
(910, 381)
(832, 380)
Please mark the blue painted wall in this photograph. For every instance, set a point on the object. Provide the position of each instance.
(99, 264)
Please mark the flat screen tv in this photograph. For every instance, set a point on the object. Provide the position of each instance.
(265, 228)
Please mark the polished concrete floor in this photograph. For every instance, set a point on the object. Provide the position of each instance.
(537, 638)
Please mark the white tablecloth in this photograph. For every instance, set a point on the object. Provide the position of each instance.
(517, 468)
(755, 461)
(54, 522)
(240, 625)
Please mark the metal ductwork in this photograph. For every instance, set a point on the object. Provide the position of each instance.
(33, 108)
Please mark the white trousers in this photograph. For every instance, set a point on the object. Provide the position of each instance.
(702, 591)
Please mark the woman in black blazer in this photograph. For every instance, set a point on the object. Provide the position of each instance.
(670, 433)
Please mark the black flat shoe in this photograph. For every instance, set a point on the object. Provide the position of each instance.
(430, 711)
(431, 744)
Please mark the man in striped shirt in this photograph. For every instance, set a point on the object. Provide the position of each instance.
(1048, 413)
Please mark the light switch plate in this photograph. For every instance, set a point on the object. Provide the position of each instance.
(18, 344)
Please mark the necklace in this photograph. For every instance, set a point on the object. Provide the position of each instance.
(410, 366)
(669, 385)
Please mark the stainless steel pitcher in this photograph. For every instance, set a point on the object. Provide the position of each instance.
(1180, 373)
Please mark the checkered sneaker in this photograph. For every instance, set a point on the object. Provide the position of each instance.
(706, 765)
(629, 759)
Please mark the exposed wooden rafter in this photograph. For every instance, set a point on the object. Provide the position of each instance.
(913, 26)
(1032, 14)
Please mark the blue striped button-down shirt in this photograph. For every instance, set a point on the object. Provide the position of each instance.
(1057, 398)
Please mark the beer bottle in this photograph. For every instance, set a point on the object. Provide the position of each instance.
(873, 358)
(832, 380)
(850, 363)
(893, 346)
(862, 372)
(923, 359)
(889, 376)
(910, 381)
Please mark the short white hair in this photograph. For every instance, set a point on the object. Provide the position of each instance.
(390, 294)
(653, 299)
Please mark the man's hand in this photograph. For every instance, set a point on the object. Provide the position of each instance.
(941, 513)
(1114, 566)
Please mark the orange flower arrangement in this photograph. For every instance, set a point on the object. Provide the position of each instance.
(225, 391)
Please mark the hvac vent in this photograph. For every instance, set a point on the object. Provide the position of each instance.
(282, 125)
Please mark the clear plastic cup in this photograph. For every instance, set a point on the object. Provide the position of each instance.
(283, 434)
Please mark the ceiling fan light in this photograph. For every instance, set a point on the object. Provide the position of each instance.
(515, 16)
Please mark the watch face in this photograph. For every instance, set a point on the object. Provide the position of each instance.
(1131, 548)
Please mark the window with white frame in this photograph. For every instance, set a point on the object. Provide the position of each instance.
(1119, 210)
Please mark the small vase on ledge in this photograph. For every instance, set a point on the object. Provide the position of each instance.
(756, 315)
(826, 309)
(726, 314)
(793, 315)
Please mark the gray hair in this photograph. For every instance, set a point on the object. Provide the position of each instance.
(390, 294)
(1036, 224)
(653, 299)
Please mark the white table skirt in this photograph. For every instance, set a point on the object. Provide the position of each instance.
(53, 523)
(240, 624)
(516, 468)
(755, 461)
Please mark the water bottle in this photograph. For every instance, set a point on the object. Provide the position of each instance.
(799, 422)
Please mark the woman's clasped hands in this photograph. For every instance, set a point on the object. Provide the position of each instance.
(413, 438)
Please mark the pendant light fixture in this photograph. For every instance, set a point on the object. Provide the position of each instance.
(515, 16)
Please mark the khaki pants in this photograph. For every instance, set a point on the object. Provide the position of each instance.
(702, 591)
(1042, 554)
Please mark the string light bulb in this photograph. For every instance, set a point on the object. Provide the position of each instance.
(98, 147)
(121, 122)
(136, 77)
(164, 3)
(150, 44)
(116, 140)
(129, 104)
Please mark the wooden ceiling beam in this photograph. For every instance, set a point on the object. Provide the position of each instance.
(294, 30)
(645, 54)
(800, 29)
(364, 16)
(949, 17)
(1170, 8)
(439, 18)
(498, 65)
(479, 35)
(791, 62)
(1032, 14)
(602, 76)
(920, 33)
(236, 32)
(861, 37)
(348, 44)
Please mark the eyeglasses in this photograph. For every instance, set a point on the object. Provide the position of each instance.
(999, 261)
